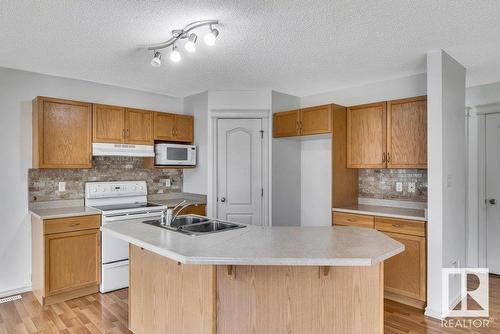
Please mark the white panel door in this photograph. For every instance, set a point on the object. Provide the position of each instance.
(239, 170)
(493, 192)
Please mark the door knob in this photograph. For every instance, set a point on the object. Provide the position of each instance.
(492, 201)
(222, 199)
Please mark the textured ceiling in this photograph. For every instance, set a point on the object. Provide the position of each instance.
(298, 47)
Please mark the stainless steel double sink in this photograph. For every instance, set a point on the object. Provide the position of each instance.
(195, 225)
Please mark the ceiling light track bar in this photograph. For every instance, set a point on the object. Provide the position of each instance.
(180, 34)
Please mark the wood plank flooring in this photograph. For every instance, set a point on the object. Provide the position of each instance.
(108, 314)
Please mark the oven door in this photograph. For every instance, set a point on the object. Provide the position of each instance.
(113, 249)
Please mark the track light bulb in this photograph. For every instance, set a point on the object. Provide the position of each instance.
(211, 36)
(175, 55)
(190, 45)
(156, 61)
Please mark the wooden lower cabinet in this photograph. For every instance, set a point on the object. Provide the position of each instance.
(198, 209)
(405, 275)
(66, 258)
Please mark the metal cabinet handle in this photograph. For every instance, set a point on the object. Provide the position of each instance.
(222, 199)
(396, 225)
(383, 157)
(388, 157)
(74, 224)
(492, 201)
(351, 220)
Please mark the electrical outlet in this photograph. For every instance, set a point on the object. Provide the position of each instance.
(399, 187)
(411, 187)
(168, 183)
(62, 186)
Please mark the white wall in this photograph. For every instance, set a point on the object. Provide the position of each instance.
(196, 179)
(446, 225)
(17, 90)
(286, 169)
(315, 181)
(397, 88)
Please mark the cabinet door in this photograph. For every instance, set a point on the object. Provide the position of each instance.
(139, 127)
(407, 133)
(199, 209)
(316, 120)
(286, 124)
(72, 261)
(366, 137)
(405, 273)
(62, 134)
(183, 128)
(109, 124)
(164, 126)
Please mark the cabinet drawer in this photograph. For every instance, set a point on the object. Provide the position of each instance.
(349, 219)
(61, 225)
(409, 227)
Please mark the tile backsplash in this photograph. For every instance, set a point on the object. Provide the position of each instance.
(381, 184)
(43, 183)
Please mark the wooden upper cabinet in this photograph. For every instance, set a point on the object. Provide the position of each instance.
(286, 124)
(173, 127)
(109, 124)
(62, 133)
(164, 126)
(407, 133)
(303, 122)
(183, 128)
(316, 120)
(139, 127)
(366, 136)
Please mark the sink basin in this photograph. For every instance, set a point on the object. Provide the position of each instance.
(210, 227)
(195, 225)
(187, 220)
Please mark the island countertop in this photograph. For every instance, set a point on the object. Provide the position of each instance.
(254, 245)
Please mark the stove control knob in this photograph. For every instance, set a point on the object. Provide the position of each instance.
(140, 187)
(133, 187)
(95, 189)
(103, 190)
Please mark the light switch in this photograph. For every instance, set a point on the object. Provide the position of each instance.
(62, 186)
(168, 183)
(399, 187)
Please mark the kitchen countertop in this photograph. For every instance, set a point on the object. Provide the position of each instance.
(63, 212)
(384, 211)
(254, 245)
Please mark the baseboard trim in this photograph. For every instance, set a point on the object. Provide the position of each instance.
(12, 292)
(433, 313)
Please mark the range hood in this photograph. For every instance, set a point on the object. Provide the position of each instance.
(123, 150)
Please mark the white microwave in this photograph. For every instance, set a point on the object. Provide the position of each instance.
(175, 155)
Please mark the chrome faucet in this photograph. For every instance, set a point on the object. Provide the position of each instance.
(169, 215)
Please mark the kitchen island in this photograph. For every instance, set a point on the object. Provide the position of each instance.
(256, 280)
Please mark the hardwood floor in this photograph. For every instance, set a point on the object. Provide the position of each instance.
(108, 314)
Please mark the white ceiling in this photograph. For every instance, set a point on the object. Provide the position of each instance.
(298, 47)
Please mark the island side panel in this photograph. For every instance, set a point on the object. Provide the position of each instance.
(167, 297)
(300, 300)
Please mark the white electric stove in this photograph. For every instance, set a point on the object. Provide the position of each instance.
(119, 202)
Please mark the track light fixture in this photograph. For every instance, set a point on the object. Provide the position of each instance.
(211, 36)
(190, 44)
(156, 61)
(175, 55)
